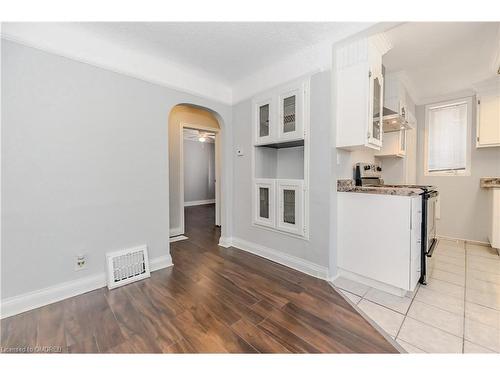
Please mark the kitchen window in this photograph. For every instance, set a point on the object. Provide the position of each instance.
(448, 138)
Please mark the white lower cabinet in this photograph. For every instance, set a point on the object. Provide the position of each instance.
(291, 206)
(494, 232)
(265, 202)
(279, 204)
(379, 240)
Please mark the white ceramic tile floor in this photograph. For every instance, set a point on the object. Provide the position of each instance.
(470, 347)
(445, 287)
(458, 311)
(441, 300)
(449, 267)
(398, 304)
(428, 338)
(354, 298)
(433, 316)
(482, 334)
(351, 286)
(409, 347)
(485, 315)
(390, 321)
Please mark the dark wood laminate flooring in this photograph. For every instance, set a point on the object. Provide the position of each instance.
(212, 300)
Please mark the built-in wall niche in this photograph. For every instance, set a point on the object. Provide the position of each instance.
(285, 163)
(280, 159)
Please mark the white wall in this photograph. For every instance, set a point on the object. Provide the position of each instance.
(84, 166)
(199, 171)
(464, 205)
(317, 249)
(347, 159)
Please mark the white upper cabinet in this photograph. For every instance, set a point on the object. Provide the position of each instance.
(375, 130)
(291, 114)
(279, 115)
(394, 145)
(488, 120)
(488, 114)
(359, 93)
(265, 120)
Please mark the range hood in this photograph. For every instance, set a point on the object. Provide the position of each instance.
(394, 121)
(395, 113)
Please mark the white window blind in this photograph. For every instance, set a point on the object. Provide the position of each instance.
(447, 147)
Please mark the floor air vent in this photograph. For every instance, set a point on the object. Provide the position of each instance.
(127, 266)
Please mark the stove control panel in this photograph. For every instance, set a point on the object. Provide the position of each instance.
(368, 170)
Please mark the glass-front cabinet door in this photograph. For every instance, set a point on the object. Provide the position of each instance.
(291, 206)
(376, 109)
(264, 202)
(291, 119)
(402, 142)
(264, 122)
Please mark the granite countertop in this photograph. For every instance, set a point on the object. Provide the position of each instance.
(348, 186)
(489, 182)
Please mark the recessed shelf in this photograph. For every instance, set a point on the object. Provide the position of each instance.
(287, 163)
(288, 144)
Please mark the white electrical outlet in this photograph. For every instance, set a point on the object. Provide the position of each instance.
(80, 262)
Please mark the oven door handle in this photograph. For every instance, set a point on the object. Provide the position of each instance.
(432, 248)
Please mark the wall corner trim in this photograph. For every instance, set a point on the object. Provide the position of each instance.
(176, 232)
(287, 260)
(42, 297)
(225, 242)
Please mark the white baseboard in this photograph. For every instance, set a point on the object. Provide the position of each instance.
(178, 238)
(198, 203)
(176, 232)
(481, 243)
(291, 261)
(159, 263)
(38, 298)
(225, 241)
(370, 282)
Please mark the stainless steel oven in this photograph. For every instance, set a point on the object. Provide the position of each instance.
(429, 240)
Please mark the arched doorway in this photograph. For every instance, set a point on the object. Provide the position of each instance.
(191, 118)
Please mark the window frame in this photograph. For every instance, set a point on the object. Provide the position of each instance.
(468, 144)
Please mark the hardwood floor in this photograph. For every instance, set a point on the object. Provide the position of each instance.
(212, 300)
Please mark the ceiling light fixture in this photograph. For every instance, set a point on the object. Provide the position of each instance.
(202, 138)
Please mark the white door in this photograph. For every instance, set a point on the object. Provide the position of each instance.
(291, 114)
(264, 202)
(291, 206)
(264, 121)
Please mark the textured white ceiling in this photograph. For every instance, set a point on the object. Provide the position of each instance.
(229, 62)
(224, 61)
(228, 51)
(441, 58)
